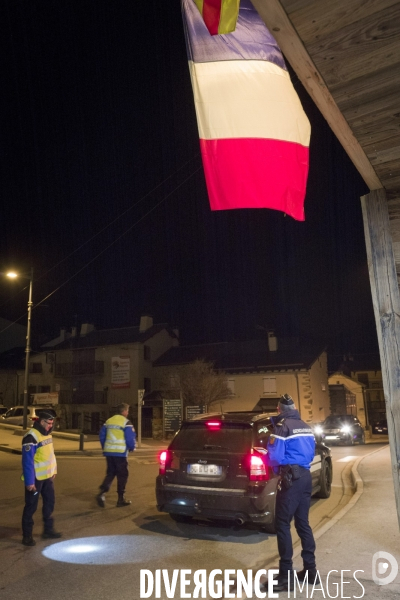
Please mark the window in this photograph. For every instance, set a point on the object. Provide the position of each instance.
(43, 389)
(269, 385)
(50, 358)
(146, 353)
(194, 436)
(147, 385)
(230, 383)
(35, 367)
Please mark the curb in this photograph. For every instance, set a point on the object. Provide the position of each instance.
(10, 450)
(62, 453)
(358, 486)
(359, 490)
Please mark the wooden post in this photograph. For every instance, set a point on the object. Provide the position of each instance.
(386, 302)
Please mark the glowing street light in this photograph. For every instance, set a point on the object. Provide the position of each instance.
(13, 275)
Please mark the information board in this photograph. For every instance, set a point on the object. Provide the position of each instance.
(172, 415)
(193, 411)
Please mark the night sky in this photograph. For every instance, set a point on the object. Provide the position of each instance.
(103, 193)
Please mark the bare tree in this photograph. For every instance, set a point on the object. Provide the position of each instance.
(198, 382)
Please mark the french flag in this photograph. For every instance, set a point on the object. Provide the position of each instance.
(219, 16)
(254, 134)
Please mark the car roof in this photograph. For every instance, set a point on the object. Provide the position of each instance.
(234, 417)
(344, 417)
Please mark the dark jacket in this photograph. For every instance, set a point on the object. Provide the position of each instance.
(292, 441)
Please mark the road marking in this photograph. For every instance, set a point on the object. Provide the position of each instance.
(347, 459)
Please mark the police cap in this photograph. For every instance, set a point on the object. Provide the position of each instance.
(46, 413)
(286, 403)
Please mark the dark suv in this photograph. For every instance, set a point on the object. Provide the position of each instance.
(342, 429)
(217, 467)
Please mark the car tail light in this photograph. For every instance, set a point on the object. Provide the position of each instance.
(214, 425)
(164, 459)
(258, 468)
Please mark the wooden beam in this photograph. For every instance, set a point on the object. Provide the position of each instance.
(386, 302)
(277, 21)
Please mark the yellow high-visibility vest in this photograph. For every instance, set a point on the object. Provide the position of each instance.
(45, 463)
(115, 439)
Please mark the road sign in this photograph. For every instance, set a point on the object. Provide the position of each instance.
(140, 404)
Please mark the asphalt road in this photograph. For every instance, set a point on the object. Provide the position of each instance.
(103, 550)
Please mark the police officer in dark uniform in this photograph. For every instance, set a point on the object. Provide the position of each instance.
(291, 449)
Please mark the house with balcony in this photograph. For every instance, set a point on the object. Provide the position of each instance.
(94, 370)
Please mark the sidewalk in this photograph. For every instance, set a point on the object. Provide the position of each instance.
(347, 543)
(11, 439)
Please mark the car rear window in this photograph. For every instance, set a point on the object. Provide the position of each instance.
(198, 436)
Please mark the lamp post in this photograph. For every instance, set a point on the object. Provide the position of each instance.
(13, 275)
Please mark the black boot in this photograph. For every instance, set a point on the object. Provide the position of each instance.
(101, 499)
(122, 501)
(51, 535)
(311, 574)
(284, 582)
(28, 540)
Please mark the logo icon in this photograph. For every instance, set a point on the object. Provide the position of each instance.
(380, 565)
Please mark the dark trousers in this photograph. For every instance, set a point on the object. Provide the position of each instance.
(117, 466)
(294, 502)
(45, 488)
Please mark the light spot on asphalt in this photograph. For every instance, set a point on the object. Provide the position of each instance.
(102, 550)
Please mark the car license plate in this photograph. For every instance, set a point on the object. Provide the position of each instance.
(196, 469)
(331, 437)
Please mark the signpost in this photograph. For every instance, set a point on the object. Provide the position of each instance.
(139, 408)
(172, 416)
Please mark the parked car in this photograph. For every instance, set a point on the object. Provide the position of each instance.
(342, 429)
(15, 415)
(217, 467)
(3, 409)
(380, 427)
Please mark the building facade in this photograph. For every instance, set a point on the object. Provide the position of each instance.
(259, 372)
(92, 371)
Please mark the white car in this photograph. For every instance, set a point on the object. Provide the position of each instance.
(15, 415)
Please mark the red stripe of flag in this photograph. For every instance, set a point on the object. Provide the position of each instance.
(212, 15)
(256, 173)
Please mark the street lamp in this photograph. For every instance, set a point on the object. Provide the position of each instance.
(13, 275)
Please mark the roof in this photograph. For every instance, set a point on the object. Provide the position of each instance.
(247, 356)
(347, 55)
(236, 417)
(354, 364)
(110, 337)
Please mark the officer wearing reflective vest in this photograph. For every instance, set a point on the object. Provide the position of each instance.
(39, 470)
(117, 438)
(291, 449)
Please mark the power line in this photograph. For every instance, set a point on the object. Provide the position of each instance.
(102, 230)
(109, 245)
